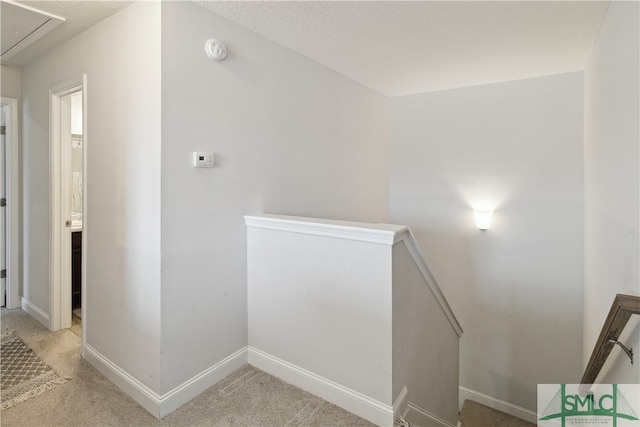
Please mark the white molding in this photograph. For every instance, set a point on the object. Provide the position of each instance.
(400, 405)
(418, 416)
(344, 397)
(13, 252)
(162, 405)
(373, 233)
(421, 263)
(33, 9)
(85, 228)
(59, 244)
(186, 391)
(495, 403)
(36, 312)
(138, 391)
(387, 234)
(415, 414)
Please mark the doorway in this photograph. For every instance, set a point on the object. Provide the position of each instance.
(68, 205)
(10, 198)
(77, 195)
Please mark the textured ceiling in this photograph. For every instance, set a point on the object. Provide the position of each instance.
(401, 48)
(79, 15)
(394, 47)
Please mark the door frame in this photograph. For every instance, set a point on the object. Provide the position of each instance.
(13, 232)
(60, 183)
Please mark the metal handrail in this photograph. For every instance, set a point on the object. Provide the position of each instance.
(621, 310)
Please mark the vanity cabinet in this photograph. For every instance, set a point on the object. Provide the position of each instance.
(76, 269)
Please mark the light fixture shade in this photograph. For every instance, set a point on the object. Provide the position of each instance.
(483, 219)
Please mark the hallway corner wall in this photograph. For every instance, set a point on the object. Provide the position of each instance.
(289, 136)
(121, 59)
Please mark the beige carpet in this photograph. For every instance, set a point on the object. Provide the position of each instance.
(249, 397)
(476, 415)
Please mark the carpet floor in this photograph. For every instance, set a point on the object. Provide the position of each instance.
(23, 375)
(477, 415)
(248, 397)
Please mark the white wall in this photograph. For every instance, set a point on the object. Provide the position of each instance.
(76, 152)
(612, 215)
(290, 137)
(517, 288)
(320, 308)
(293, 137)
(425, 346)
(121, 58)
(10, 82)
(324, 305)
(76, 113)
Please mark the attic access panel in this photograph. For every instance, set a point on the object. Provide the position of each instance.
(21, 26)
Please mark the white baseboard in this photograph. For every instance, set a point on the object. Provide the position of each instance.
(36, 312)
(351, 400)
(500, 405)
(418, 416)
(400, 405)
(415, 414)
(186, 391)
(139, 392)
(162, 405)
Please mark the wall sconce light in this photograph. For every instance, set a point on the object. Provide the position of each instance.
(483, 219)
(215, 49)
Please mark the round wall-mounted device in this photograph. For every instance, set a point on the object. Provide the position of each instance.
(215, 49)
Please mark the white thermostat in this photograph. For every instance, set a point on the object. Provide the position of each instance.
(203, 159)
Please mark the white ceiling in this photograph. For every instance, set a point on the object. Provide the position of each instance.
(401, 48)
(22, 26)
(394, 47)
(78, 15)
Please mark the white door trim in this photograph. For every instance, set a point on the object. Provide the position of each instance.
(13, 203)
(60, 238)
